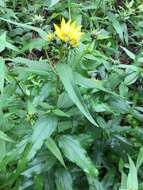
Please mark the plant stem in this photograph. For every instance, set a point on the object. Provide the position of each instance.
(50, 62)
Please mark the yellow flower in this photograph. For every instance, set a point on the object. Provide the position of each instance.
(68, 32)
(50, 36)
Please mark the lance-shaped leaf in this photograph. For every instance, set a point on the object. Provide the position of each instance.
(76, 154)
(67, 78)
(42, 130)
(63, 180)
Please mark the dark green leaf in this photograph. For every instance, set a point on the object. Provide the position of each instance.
(75, 153)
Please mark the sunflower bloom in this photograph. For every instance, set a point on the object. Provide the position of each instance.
(68, 32)
(50, 36)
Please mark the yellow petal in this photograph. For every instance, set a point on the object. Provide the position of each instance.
(57, 28)
(50, 36)
(73, 24)
(63, 23)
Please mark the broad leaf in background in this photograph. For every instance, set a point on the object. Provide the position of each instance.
(42, 130)
(63, 180)
(67, 78)
(76, 154)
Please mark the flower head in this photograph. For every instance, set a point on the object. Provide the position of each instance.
(68, 32)
(50, 36)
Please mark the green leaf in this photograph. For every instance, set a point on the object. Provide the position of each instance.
(95, 184)
(12, 47)
(41, 33)
(5, 137)
(4, 44)
(123, 182)
(140, 158)
(38, 182)
(119, 105)
(76, 154)
(39, 67)
(38, 43)
(2, 149)
(53, 2)
(108, 179)
(131, 78)
(42, 130)
(67, 78)
(89, 83)
(117, 26)
(2, 74)
(60, 113)
(2, 3)
(63, 180)
(97, 85)
(62, 126)
(50, 143)
(64, 101)
(39, 164)
(132, 179)
(2, 41)
(129, 53)
(123, 90)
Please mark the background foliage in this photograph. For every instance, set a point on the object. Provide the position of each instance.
(72, 124)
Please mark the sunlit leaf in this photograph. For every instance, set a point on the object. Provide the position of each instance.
(132, 179)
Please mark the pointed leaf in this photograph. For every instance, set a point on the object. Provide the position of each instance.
(50, 143)
(140, 158)
(42, 130)
(2, 41)
(123, 181)
(75, 153)
(41, 33)
(129, 53)
(117, 26)
(132, 180)
(67, 78)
